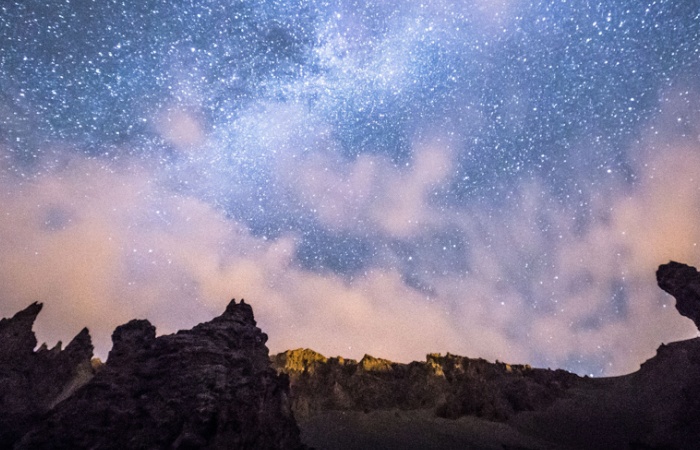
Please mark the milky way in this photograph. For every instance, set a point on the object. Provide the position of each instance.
(489, 178)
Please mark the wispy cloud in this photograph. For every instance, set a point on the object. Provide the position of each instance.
(101, 244)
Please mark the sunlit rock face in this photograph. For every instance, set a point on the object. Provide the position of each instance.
(32, 382)
(452, 386)
(209, 387)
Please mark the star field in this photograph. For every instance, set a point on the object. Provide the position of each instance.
(507, 174)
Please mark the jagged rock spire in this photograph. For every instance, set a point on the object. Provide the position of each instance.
(16, 333)
(32, 382)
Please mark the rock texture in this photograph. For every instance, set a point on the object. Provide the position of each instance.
(211, 387)
(451, 385)
(32, 382)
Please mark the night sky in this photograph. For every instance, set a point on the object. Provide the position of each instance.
(495, 179)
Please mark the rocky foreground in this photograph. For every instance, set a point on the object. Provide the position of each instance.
(215, 387)
(211, 387)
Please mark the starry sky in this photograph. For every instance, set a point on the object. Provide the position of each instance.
(492, 178)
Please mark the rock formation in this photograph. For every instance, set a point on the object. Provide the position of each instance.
(32, 382)
(211, 387)
(683, 282)
(348, 404)
(451, 385)
(215, 387)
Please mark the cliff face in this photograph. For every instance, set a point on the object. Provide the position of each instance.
(451, 385)
(32, 382)
(208, 388)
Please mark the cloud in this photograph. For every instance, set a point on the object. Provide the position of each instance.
(103, 245)
(180, 128)
(661, 220)
(370, 191)
(540, 284)
(529, 281)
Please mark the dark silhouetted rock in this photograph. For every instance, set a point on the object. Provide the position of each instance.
(129, 340)
(16, 334)
(32, 382)
(211, 387)
(683, 282)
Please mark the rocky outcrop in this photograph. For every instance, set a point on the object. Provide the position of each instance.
(683, 282)
(451, 385)
(211, 387)
(672, 377)
(655, 407)
(32, 382)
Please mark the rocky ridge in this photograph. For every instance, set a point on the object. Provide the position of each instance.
(210, 387)
(655, 407)
(451, 385)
